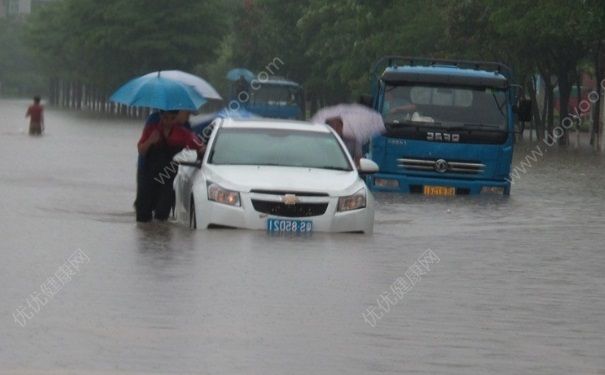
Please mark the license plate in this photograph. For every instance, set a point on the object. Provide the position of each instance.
(289, 226)
(439, 191)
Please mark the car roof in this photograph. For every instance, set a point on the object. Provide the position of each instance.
(267, 123)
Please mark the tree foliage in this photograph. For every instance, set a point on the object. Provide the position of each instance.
(17, 68)
(105, 45)
(328, 46)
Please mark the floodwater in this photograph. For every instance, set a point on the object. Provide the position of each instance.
(518, 287)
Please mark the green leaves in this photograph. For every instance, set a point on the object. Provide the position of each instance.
(106, 44)
(328, 46)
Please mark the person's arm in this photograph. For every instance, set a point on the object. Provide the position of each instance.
(149, 138)
(196, 143)
(191, 141)
(29, 112)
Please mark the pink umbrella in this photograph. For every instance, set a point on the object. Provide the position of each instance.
(360, 123)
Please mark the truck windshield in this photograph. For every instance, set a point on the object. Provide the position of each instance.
(276, 95)
(448, 107)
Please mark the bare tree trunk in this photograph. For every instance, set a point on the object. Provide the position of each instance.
(537, 119)
(312, 104)
(550, 99)
(579, 99)
(564, 95)
(78, 96)
(59, 92)
(53, 91)
(595, 139)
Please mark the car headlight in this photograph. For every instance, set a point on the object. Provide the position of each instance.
(352, 202)
(219, 194)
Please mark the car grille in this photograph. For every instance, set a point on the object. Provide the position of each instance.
(295, 210)
(431, 165)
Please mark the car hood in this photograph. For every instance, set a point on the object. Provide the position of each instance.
(246, 178)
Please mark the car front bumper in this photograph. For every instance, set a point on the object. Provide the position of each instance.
(209, 214)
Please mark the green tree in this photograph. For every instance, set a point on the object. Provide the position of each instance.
(18, 75)
(105, 45)
(344, 38)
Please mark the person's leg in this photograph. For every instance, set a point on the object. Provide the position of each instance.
(139, 181)
(165, 201)
(145, 200)
(37, 128)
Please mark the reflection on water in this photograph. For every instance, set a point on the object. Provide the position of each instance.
(519, 287)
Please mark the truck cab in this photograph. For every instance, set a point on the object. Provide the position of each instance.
(449, 126)
(274, 97)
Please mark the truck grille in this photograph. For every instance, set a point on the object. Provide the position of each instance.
(296, 210)
(441, 166)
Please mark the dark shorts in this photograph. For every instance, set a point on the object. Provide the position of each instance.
(35, 128)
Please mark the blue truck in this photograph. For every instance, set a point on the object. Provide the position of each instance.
(450, 126)
(273, 97)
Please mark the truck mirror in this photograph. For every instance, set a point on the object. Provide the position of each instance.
(523, 110)
(366, 100)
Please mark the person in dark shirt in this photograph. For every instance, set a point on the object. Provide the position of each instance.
(160, 141)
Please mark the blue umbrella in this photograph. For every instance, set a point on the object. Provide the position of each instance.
(235, 74)
(200, 85)
(160, 93)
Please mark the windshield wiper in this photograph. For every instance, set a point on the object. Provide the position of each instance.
(498, 104)
(414, 123)
(482, 126)
(478, 126)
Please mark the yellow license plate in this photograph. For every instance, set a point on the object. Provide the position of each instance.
(439, 191)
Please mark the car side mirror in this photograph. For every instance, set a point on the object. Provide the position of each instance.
(367, 166)
(187, 158)
(523, 110)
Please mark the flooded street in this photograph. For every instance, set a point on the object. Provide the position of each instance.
(518, 288)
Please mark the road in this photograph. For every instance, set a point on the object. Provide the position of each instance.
(511, 285)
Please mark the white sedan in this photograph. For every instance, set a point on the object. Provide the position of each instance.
(274, 175)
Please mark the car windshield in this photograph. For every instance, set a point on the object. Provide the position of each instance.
(278, 147)
(272, 94)
(459, 107)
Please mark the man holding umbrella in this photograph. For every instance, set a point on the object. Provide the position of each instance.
(173, 93)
